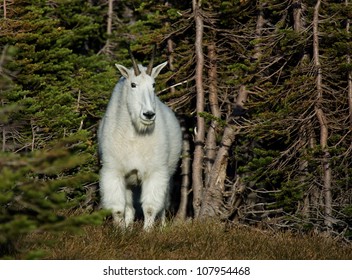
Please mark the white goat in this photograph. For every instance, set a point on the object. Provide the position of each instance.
(140, 144)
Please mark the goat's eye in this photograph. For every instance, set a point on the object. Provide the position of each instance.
(153, 85)
(133, 85)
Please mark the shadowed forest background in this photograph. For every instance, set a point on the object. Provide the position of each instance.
(263, 91)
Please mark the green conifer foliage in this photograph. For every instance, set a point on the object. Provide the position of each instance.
(54, 87)
(54, 56)
(38, 189)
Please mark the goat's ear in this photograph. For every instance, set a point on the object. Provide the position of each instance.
(156, 70)
(123, 70)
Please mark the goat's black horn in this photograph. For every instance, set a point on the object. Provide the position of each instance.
(135, 65)
(150, 66)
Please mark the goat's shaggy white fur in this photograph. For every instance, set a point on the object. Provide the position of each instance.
(140, 144)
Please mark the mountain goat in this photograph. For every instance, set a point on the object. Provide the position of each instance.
(140, 144)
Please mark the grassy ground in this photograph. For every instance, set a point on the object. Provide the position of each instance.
(208, 240)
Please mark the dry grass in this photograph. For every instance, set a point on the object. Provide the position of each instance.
(208, 240)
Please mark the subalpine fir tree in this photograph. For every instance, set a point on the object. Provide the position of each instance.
(38, 189)
(59, 79)
(51, 99)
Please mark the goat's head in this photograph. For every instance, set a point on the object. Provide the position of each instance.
(139, 87)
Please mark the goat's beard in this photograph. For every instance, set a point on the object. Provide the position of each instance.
(143, 128)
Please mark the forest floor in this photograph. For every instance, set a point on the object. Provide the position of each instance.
(188, 240)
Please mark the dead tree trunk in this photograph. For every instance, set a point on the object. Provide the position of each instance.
(306, 131)
(349, 89)
(298, 23)
(197, 166)
(323, 122)
(4, 9)
(212, 203)
(185, 173)
(107, 47)
(3, 148)
(110, 11)
(210, 144)
(213, 194)
(170, 50)
(258, 32)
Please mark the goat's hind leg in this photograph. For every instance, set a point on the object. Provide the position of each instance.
(113, 194)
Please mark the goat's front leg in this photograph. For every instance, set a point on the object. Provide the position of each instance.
(129, 209)
(113, 194)
(154, 193)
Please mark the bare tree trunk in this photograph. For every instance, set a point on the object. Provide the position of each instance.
(170, 49)
(322, 122)
(212, 203)
(33, 135)
(258, 33)
(213, 194)
(3, 139)
(210, 144)
(297, 16)
(2, 61)
(107, 48)
(305, 131)
(5, 9)
(349, 73)
(109, 25)
(185, 173)
(197, 166)
(110, 12)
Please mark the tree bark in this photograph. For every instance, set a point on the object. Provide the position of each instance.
(305, 132)
(185, 173)
(197, 166)
(107, 47)
(213, 194)
(110, 13)
(5, 9)
(349, 89)
(3, 139)
(109, 25)
(170, 50)
(258, 32)
(297, 16)
(33, 135)
(324, 131)
(210, 144)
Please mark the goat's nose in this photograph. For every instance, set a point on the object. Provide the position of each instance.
(149, 115)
